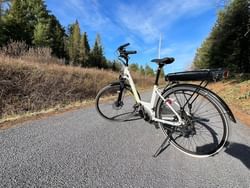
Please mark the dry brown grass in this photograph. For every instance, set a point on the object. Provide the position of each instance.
(237, 95)
(20, 50)
(29, 86)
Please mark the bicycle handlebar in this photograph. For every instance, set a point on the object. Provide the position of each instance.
(123, 46)
(124, 53)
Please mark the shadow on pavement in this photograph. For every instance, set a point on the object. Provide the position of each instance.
(241, 152)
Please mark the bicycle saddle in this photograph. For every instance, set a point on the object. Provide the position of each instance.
(164, 61)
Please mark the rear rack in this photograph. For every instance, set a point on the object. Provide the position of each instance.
(198, 75)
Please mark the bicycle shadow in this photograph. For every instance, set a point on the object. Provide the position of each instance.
(125, 117)
(239, 151)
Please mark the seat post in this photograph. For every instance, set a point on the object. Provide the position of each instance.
(158, 74)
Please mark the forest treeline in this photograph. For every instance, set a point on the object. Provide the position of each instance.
(31, 22)
(228, 45)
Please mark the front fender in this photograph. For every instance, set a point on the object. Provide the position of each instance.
(118, 83)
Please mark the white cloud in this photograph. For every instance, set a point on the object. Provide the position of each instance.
(183, 54)
(167, 51)
(87, 12)
(144, 20)
(154, 17)
(139, 23)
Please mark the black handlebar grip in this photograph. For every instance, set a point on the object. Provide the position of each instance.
(172, 59)
(123, 46)
(131, 52)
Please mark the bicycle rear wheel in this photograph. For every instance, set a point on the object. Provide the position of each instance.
(205, 130)
(109, 107)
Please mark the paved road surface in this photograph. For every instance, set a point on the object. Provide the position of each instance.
(80, 149)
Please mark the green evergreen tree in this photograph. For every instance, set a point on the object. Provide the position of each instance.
(74, 44)
(41, 35)
(84, 50)
(23, 17)
(2, 23)
(134, 67)
(142, 70)
(149, 71)
(116, 66)
(109, 64)
(30, 21)
(57, 38)
(86, 42)
(1, 10)
(96, 58)
(227, 46)
(18, 25)
(162, 74)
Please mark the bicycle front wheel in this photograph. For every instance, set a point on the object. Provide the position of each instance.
(205, 129)
(111, 107)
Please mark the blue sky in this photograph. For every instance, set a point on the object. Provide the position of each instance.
(183, 24)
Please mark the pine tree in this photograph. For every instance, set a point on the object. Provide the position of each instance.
(74, 43)
(227, 46)
(134, 67)
(17, 22)
(116, 66)
(162, 74)
(96, 58)
(41, 35)
(86, 42)
(23, 17)
(149, 71)
(39, 17)
(30, 21)
(57, 38)
(1, 10)
(84, 50)
(109, 64)
(142, 70)
(51, 31)
(3, 37)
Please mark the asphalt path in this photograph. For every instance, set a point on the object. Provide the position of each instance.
(81, 149)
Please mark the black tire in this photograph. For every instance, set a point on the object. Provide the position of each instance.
(107, 107)
(206, 129)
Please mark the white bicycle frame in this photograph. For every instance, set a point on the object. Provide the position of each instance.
(149, 106)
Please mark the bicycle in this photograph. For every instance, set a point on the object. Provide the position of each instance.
(194, 119)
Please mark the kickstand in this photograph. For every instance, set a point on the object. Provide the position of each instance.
(163, 146)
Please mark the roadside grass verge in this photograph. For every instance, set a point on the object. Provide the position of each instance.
(236, 94)
(28, 87)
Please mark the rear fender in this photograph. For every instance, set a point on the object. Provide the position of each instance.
(214, 95)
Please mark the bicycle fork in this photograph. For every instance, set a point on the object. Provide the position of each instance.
(119, 99)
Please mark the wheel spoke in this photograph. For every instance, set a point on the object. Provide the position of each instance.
(205, 127)
(107, 103)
